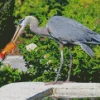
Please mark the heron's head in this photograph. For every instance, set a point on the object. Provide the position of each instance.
(22, 24)
(28, 20)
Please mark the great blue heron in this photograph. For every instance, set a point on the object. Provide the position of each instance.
(64, 31)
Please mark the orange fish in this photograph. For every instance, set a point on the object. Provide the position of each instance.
(8, 49)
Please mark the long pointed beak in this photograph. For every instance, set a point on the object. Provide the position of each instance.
(17, 33)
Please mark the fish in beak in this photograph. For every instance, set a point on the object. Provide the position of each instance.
(11, 45)
(7, 49)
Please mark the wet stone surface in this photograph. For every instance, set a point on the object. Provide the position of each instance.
(15, 62)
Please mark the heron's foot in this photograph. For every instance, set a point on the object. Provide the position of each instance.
(54, 83)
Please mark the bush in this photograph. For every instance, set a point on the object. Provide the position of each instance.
(86, 12)
(85, 68)
(10, 75)
(44, 60)
(41, 9)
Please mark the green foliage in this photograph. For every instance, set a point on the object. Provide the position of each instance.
(43, 9)
(44, 60)
(9, 75)
(86, 12)
(3, 16)
(85, 68)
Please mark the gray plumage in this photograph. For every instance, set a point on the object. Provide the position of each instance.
(70, 31)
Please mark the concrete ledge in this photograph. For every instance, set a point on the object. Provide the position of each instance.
(24, 91)
(77, 90)
(38, 90)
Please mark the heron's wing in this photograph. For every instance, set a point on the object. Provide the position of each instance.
(69, 30)
(86, 48)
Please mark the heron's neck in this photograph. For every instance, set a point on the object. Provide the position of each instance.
(38, 30)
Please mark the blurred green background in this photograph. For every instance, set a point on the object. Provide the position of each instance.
(45, 60)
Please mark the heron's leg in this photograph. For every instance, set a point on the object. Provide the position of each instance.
(61, 62)
(70, 65)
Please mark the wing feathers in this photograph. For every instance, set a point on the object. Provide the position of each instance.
(87, 49)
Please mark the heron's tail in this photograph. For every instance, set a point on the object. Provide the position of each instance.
(96, 38)
(87, 49)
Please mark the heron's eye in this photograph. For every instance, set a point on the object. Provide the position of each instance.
(21, 21)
